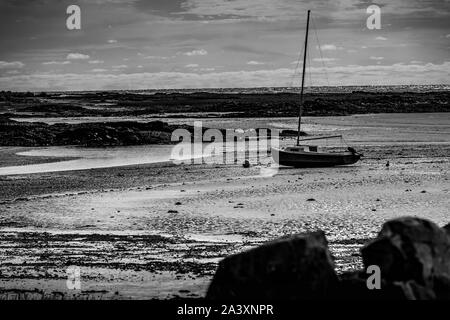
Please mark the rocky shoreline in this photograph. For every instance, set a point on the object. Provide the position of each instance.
(99, 134)
(14, 133)
(222, 105)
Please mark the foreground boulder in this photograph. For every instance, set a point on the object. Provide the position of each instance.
(409, 249)
(414, 254)
(290, 268)
(353, 286)
(447, 229)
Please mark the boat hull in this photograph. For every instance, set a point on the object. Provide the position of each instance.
(313, 159)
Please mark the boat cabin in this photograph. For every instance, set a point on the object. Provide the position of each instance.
(304, 148)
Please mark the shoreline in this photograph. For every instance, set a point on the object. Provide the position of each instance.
(191, 242)
(131, 229)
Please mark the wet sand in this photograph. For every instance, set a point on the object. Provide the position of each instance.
(158, 230)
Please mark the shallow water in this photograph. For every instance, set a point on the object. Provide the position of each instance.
(152, 241)
(358, 130)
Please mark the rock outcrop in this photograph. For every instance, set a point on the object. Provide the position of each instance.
(412, 254)
(291, 268)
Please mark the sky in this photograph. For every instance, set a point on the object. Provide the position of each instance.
(161, 44)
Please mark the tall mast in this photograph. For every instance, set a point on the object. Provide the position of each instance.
(303, 80)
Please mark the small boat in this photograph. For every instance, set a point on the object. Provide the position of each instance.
(305, 156)
(308, 156)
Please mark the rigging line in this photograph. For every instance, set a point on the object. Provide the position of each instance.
(309, 71)
(297, 67)
(320, 50)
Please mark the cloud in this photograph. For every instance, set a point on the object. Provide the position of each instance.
(121, 66)
(77, 56)
(201, 52)
(396, 74)
(376, 58)
(96, 61)
(324, 59)
(192, 65)
(56, 63)
(381, 38)
(99, 70)
(112, 41)
(11, 65)
(13, 72)
(255, 63)
(328, 47)
(156, 57)
(286, 10)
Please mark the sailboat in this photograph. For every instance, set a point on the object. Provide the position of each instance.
(303, 155)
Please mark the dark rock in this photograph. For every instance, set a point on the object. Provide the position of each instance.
(290, 268)
(410, 249)
(353, 286)
(441, 287)
(311, 199)
(447, 229)
(246, 164)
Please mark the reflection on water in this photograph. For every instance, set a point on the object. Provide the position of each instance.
(91, 158)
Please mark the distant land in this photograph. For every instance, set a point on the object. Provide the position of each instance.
(230, 103)
(214, 103)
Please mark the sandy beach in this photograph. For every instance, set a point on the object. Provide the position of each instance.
(159, 230)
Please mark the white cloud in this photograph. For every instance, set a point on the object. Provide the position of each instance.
(201, 52)
(96, 61)
(13, 72)
(56, 63)
(255, 63)
(324, 59)
(192, 65)
(77, 56)
(122, 66)
(376, 58)
(381, 38)
(448, 35)
(396, 74)
(112, 41)
(328, 47)
(156, 58)
(11, 65)
(99, 70)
